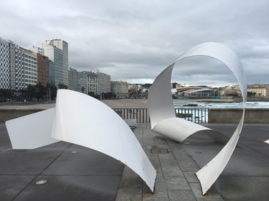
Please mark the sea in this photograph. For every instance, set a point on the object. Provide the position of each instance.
(222, 105)
(199, 113)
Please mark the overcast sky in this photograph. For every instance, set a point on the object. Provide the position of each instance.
(136, 40)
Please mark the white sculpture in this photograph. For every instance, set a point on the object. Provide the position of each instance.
(80, 119)
(164, 121)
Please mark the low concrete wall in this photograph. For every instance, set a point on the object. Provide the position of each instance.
(252, 115)
(214, 115)
(6, 114)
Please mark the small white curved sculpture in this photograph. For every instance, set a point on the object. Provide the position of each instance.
(164, 121)
(80, 119)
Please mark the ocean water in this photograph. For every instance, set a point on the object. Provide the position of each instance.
(222, 105)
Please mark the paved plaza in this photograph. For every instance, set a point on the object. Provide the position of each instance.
(90, 175)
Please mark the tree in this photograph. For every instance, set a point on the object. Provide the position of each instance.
(259, 94)
(53, 91)
(31, 91)
(82, 89)
(41, 91)
(62, 86)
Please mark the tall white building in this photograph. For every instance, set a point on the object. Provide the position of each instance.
(30, 64)
(37, 50)
(62, 45)
(56, 55)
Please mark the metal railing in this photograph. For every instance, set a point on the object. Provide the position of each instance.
(196, 115)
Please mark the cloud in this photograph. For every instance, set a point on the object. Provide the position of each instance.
(136, 40)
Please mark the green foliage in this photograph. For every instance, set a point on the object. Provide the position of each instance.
(62, 86)
(82, 89)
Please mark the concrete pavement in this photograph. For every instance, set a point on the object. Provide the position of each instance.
(90, 175)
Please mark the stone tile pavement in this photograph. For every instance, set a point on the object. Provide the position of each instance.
(176, 180)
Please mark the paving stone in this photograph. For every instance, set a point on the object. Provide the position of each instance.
(191, 177)
(172, 171)
(10, 186)
(129, 195)
(205, 199)
(69, 188)
(174, 183)
(197, 191)
(160, 191)
(160, 177)
(131, 183)
(128, 172)
(155, 199)
(181, 195)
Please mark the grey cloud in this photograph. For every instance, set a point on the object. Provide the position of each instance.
(136, 40)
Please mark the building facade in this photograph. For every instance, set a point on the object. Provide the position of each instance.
(4, 65)
(92, 82)
(82, 82)
(119, 88)
(37, 50)
(51, 72)
(55, 55)
(72, 79)
(260, 91)
(62, 45)
(30, 66)
(42, 69)
(103, 83)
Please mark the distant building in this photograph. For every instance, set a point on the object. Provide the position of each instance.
(63, 45)
(4, 63)
(57, 51)
(72, 79)
(55, 55)
(42, 69)
(92, 82)
(104, 84)
(82, 82)
(51, 72)
(119, 88)
(37, 50)
(205, 93)
(260, 91)
(30, 64)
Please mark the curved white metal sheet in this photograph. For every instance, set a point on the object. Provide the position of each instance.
(162, 115)
(31, 131)
(83, 120)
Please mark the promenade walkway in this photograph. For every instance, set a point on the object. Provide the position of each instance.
(90, 175)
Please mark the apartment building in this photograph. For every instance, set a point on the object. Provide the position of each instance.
(82, 82)
(120, 88)
(4, 64)
(72, 79)
(103, 83)
(55, 55)
(260, 91)
(92, 82)
(30, 66)
(61, 62)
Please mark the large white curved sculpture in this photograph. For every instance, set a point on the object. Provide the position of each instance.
(80, 119)
(164, 121)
